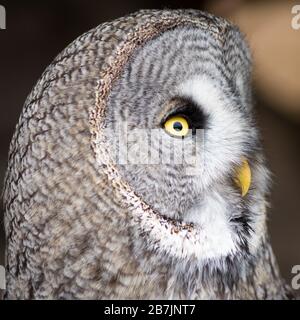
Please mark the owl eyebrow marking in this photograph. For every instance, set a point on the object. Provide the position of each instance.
(190, 110)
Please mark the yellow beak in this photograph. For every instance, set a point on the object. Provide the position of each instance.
(243, 177)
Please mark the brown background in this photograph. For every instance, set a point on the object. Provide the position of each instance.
(36, 32)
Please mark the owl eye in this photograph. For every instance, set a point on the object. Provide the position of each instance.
(177, 126)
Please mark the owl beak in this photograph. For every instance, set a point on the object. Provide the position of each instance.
(243, 177)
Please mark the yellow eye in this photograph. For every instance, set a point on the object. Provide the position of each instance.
(177, 126)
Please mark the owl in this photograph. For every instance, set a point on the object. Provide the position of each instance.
(136, 169)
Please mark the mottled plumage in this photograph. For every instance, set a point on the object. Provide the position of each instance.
(80, 225)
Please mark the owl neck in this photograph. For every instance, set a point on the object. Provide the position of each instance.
(256, 278)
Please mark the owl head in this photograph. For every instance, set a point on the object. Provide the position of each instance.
(173, 128)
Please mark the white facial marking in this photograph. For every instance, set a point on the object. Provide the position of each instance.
(210, 217)
(224, 138)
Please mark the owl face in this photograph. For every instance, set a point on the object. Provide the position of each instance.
(179, 123)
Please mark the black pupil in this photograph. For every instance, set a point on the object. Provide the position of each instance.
(177, 126)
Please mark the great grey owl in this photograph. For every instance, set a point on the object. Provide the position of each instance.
(82, 223)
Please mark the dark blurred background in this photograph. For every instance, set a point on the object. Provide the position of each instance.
(37, 31)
